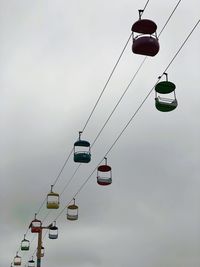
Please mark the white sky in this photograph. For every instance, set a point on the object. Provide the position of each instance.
(55, 59)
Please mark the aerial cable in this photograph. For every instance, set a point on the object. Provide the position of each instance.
(169, 17)
(146, 5)
(132, 117)
(105, 86)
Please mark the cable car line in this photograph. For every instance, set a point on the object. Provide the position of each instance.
(146, 5)
(105, 86)
(111, 115)
(132, 117)
(140, 66)
(169, 17)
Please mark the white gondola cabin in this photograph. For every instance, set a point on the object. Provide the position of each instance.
(72, 212)
(42, 252)
(17, 260)
(82, 151)
(53, 231)
(104, 174)
(53, 200)
(146, 43)
(31, 263)
(25, 244)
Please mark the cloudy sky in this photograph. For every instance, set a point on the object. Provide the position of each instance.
(56, 56)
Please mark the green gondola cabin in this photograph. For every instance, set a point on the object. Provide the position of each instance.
(25, 244)
(165, 104)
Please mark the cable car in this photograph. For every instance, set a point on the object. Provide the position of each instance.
(146, 43)
(72, 212)
(82, 150)
(17, 260)
(25, 244)
(104, 174)
(52, 200)
(162, 103)
(53, 231)
(31, 263)
(35, 225)
(42, 252)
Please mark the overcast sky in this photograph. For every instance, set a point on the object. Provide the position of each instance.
(56, 56)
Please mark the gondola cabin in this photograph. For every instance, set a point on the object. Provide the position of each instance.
(35, 225)
(53, 200)
(72, 212)
(25, 244)
(82, 151)
(31, 263)
(53, 232)
(165, 104)
(42, 252)
(145, 41)
(104, 174)
(17, 260)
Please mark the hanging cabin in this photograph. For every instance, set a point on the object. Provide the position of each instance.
(31, 263)
(145, 40)
(104, 174)
(17, 260)
(53, 200)
(165, 104)
(35, 225)
(25, 244)
(82, 151)
(53, 231)
(72, 212)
